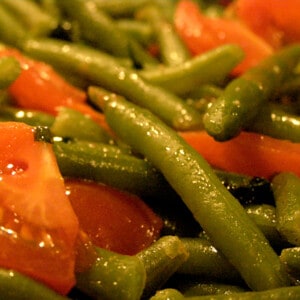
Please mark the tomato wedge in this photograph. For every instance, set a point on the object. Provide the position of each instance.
(40, 87)
(277, 21)
(113, 219)
(38, 226)
(202, 33)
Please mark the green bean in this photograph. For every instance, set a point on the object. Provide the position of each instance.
(95, 23)
(16, 286)
(206, 262)
(172, 50)
(99, 163)
(113, 276)
(9, 71)
(286, 187)
(167, 294)
(161, 260)
(290, 257)
(11, 30)
(70, 123)
(212, 289)
(211, 67)
(121, 8)
(221, 216)
(36, 21)
(285, 293)
(30, 117)
(139, 30)
(82, 60)
(273, 120)
(264, 216)
(244, 96)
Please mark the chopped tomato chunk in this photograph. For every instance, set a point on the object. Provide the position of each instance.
(113, 219)
(38, 225)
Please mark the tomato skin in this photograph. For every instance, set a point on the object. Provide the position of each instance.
(202, 33)
(113, 219)
(277, 21)
(38, 225)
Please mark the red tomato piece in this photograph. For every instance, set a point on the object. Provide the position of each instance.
(38, 225)
(277, 21)
(202, 33)
(113, 219)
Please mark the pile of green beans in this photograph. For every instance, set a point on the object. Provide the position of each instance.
(225, 235)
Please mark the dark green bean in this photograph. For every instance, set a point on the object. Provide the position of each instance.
(97, 162)
(70, 123)
(9, 71)
(244, 96)
(211, 67)
(286, 187)
(84, 61)
(113, 276)
(161, 260)
(221, 215)
(16, 286)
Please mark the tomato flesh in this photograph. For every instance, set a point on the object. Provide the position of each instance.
(113, 219)
(38, 227)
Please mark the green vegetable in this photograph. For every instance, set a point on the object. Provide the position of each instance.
(244, 96)
(161, 261)
(211, 67)
(113, 276)
(241, 242)
(286, 187)
(15, 286)
(84, 61)
(9, 71)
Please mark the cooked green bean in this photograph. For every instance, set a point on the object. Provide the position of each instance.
(70, 123)
(34, 19)
(211, 67)
(172, 50)
(286, 187)
(84, 61)
(242, 243)
(212, 289)
(285, 293)
(244, 96)
(9, 71)
(161, 261)
(97, 162)
(290, 257)
(28, 116)
(16, 286)
(113, 276)
(11, 30)
(206, 262)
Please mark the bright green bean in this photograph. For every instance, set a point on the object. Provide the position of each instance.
(221, 216)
